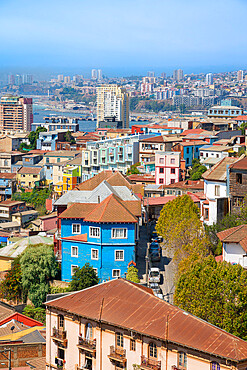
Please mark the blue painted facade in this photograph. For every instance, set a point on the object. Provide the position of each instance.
(104, 244)
(7, 187)
(191, 152)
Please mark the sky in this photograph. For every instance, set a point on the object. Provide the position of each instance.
(123, 37)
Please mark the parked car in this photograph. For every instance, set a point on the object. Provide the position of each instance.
(154, 246)
(155, 256)
(154, 275)
(155, 237)
(156, 289)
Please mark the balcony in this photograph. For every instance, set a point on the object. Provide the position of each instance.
(60, 363)
(148, 363)
(59, 335)
(87, 345)
(117, 354)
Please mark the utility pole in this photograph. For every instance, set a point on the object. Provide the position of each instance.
(147, 261)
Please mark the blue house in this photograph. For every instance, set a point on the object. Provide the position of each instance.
(101, 234)
(7, 185)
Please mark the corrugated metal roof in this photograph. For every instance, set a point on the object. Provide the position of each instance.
(218, 171)
(128, 305)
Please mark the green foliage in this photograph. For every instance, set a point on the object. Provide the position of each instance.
(180, 226)
(215, 292)
(230, 220)
(11, 287)
(38, 267)
(36, 198)
(69, 138)
(83, 278)
(137, 103)
(197, 170)
(36, 313)
(59, 289)
(74, 94)
(132, 274)
(133, 170)
(243, 126)
(33, 136)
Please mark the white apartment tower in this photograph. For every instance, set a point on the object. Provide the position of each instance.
(94, 74)
(240, 75)
(113, 102)
(209, 79)
(99, 74)
(178, 74)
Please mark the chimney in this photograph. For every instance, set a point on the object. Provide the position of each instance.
(98, 199)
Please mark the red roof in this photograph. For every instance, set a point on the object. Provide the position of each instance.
(156, 201)
(193, 131)
(77, 238)
(237, 234)
(22, 319)
(241, 118)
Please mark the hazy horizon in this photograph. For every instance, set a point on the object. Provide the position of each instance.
(123, 38)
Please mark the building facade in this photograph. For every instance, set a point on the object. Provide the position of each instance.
(167, 168)
(16, 113)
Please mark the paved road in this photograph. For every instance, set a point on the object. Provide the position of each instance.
(165, 265)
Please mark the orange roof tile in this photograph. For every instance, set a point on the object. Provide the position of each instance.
(237, 234)
(77, 238)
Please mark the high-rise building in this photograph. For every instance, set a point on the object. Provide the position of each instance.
(94, 74)
(163, 75)
(178, 75)
(18, 80)
(60, 78)
(67, 79)
(16, 113)
(99, 74)
(27, 79)
(11, 79)
(209, 79)
(113, 102)
(151, 74)
(240, 75)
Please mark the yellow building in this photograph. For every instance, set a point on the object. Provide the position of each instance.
(28, 177)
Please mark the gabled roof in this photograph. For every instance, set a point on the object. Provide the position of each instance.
(77, 238)
(111, 210)
(219, 170)
(78, 210)
(130, 306)
(240, 165)
(113, 178)
(30, 170)
(237, 234)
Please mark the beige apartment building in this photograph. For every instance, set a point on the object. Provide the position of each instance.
(16, 113)
(122, 325)
(113, 102)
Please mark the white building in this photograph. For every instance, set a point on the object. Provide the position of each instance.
(234, 242)
(209, 79)
(216, 204)
(214, 151)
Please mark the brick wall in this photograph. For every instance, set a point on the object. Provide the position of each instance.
(21, 353)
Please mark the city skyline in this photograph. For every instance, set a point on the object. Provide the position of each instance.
(137, 36)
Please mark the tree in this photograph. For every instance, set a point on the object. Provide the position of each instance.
(197, 170)
(83, 278)
(182, 231)
(33, 136)
(38, 267)
(11, 287)
(69, 138)
(35, 313)
(133, 170)
(132, 274)
(243, 126)
(215, 292)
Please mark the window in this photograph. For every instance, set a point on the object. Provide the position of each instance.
(119, 339)
(172, 181)
(215, 366)
(239, 178)
(217, 191)
(61, 321)
(73, 267)
(94, 254)
(173, 170)
(119, 255)
(238, 201)
(119, 233)
(206, 154)
(74, 251)
(182, 360)
(76, 228)
(89, 331)
(172, 160)
(161, 181)
(132, 344)
(187, 150)
(47, 160)
(161, 170)
(152, 350)
(94, 232)
(161, 161)
(217, 155)
(60, 353)
(115, 273)
(206, 213)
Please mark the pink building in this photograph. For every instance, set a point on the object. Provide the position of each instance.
(167, 168)
(48, 222)
(122, 325)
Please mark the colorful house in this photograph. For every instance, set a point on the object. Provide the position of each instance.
(101, 234)
(167, 168)
(28, 177)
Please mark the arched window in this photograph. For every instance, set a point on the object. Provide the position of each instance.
(61, 321)
(119, 339)
(89, 331)
(215, 366)
(152, 350)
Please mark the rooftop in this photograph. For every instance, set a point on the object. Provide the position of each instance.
(134, 307)
(236, 234)
(219, 171)
(29, 170)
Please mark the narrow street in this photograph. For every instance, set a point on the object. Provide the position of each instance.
(165, 265)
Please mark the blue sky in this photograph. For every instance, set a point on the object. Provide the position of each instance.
(124, 35)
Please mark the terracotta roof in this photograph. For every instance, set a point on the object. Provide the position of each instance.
(241, 164)
(129, 306)
(241, 118)
(155, 139)
(78, 210)
(10, 203)
(142, 177)
(187, 184)
(237, 234)
(5, 175)
(156, 201)
(195, 131)
(219, 170)
(191, 143)
(113, 178)
(77, 238)
(112, 209)
(29, 170)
